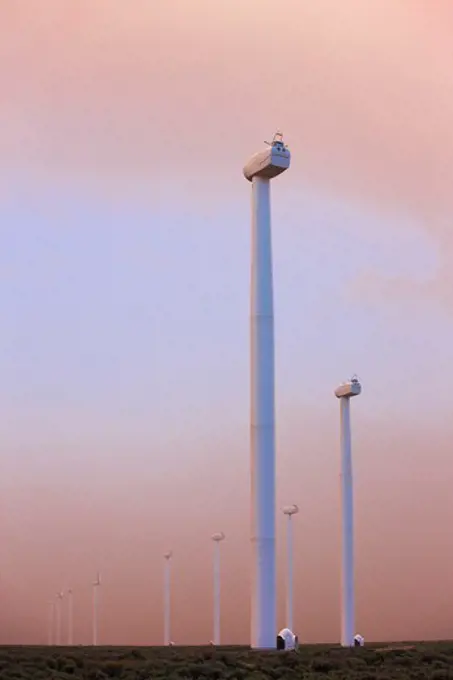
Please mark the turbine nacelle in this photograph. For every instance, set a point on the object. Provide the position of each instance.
(269, 163)
(350, 388)
(290, 510)
(218, 537)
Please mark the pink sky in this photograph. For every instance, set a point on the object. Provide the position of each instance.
(123, 130)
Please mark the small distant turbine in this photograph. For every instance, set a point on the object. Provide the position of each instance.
(51, 622)
(167, 598)
(344, 392)
(59, 597)
(70, 619)
(289, 511)
(96, 586)
(217, 538)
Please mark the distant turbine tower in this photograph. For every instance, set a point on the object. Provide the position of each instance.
(51, 622)
(259, 170)
(167, 598)
(96, 586)
(58, 617)
(70, 619)
(217, 538)
(344, 393)
(289, 511)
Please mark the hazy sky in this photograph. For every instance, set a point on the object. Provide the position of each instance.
(124, 223)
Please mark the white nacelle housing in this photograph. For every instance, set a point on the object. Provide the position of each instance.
(349, 389)
(290, 509)
(359, 640)
(286, 640)
(268, 163)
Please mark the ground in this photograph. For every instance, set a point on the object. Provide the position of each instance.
(311, 662)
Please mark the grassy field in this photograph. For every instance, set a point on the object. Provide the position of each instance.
(409, 660)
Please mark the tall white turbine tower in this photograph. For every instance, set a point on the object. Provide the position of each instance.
(58, 617)
(96, 586)
(217, 538)
(167, 597)
(344, 392)
(289, 511)
(259, 170)
(70, 619)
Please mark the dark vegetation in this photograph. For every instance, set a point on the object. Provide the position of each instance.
(311, 662)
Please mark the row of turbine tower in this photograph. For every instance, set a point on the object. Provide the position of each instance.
(55, 616)
(55, 605)
(55, 620)
(289, 511)
(216, 538)
(259, 170)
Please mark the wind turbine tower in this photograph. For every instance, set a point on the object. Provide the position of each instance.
(96, 586)
(58, 617)
(344, 392)
(70, 619)
(259, 170)
(289, 511)
(51, 622)
(217, 538)
(167, 597)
